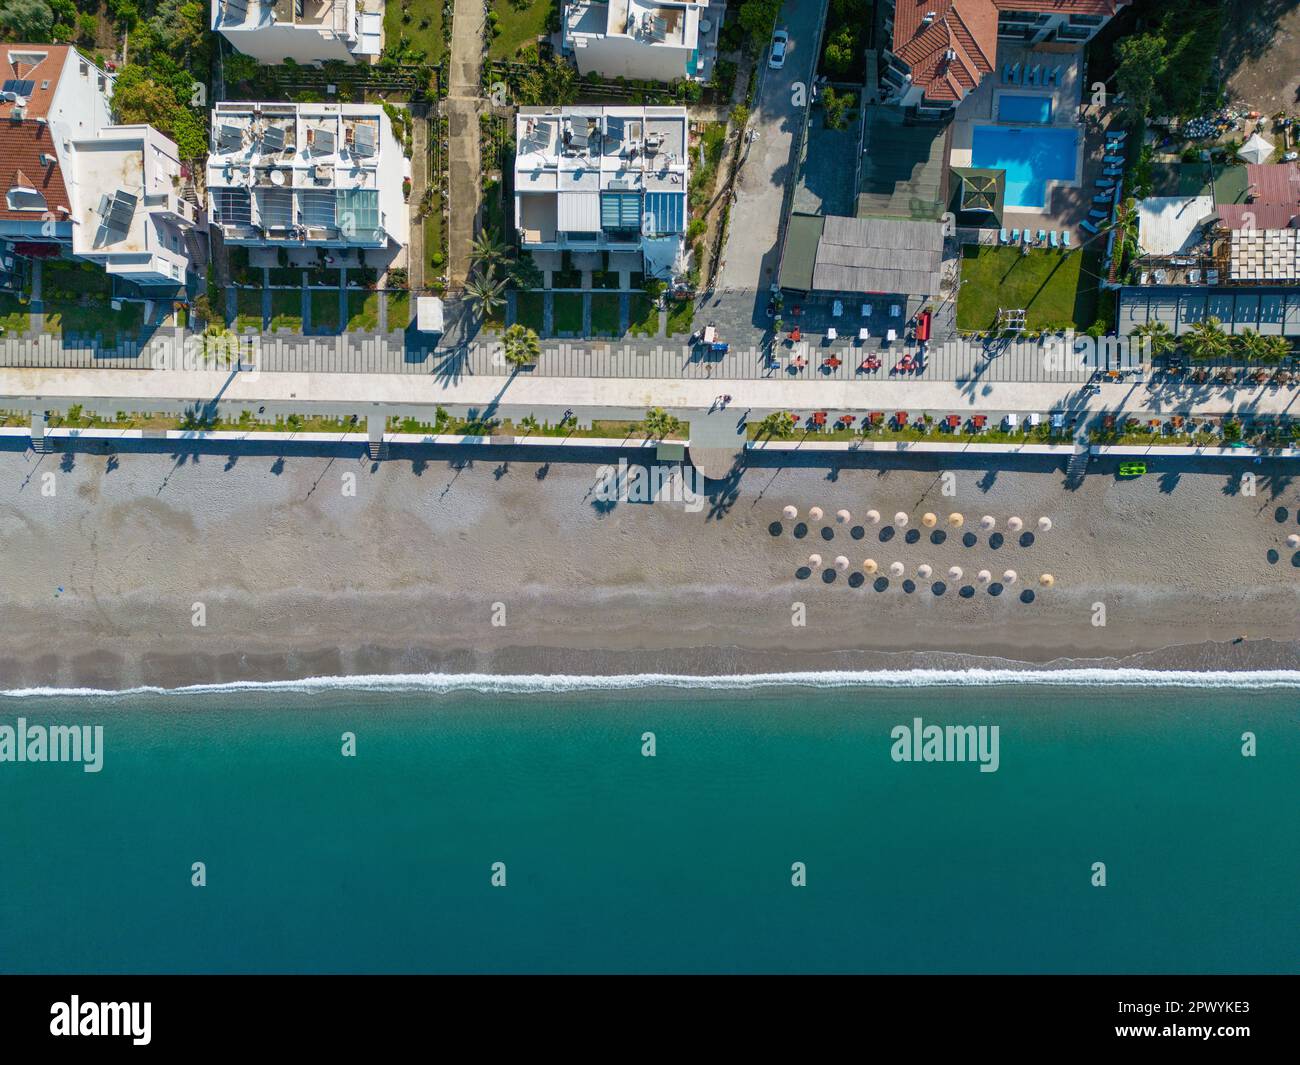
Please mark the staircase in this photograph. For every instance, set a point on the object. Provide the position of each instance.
(376, 446)
(39, 444)
(1077, 468)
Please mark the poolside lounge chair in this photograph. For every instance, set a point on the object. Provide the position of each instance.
(1096, 212)
(1085, 224)
(1056, 76)
(1105, 182)
(1212, 277)
(1113, 171)
(1009, 73)
(1042, 235)
(1113, 160)
(1015, 236)
(1119, 135)
(1103, 197)
(1002, 237)
(1065, 238)
(1051, 237)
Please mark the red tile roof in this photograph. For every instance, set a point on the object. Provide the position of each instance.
(21, 147)
(1275, 198)
(40, 63)
(949, 54)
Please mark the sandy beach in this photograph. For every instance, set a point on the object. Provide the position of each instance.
(305, 564)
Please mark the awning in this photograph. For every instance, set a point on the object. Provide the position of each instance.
(620, 210)
(579, 212)
(372, 33)
(667, 211)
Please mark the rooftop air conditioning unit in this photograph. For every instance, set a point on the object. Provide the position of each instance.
(950, 55)
(930, 16)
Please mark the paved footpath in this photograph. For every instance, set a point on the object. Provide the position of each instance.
(465, 64)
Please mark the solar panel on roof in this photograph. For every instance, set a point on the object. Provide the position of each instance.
(364, 140)
(19, 86)
(120, 210)
(273, 138)
(324, 140)
(229, 138)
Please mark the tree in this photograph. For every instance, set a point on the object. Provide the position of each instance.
(488, 250)
(1159, 340)
(522, 345)
(834, 104)
(1142, 64)
(659, 423)
(27, 20)
(758, 18)
(1250, 345)
(841, 51)
(529, 424)
(1206, 341)
(525, 273)
(1275, 349)
(776, 426)
(485, 292)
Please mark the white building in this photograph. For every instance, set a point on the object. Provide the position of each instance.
(306, 31)
(604, 179)
(656, 40)
(127, 211)
(306, 175)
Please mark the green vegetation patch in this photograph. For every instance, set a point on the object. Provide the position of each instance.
(399, 310)
(530, 309)
(517, 23)
(363, 312)
(248, 308)
(681, 317)
(605, 315)
(286, 310)
(644, 316)
(566, 312)
(1057, 289)
(325, 309)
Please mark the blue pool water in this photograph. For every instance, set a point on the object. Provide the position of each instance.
(1031, 157)
(1017, 108)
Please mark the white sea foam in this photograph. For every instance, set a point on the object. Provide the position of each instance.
(523, 684)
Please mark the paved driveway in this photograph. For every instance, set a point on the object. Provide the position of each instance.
(752, 246)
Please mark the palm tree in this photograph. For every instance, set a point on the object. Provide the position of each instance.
(1159, 340)
(1206, 341)
(522, 345)
(776, 426)
(1274, 349)
(485, 291)
(1251, 345)
(529, 423)
(488, 250)
(658, 422)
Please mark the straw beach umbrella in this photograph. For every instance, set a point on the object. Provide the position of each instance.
(955, 573)
(983, 576)
(814, 561)
(791, 512)
(929, 520)
(900, 519)
(873, 516)
(956, 520)
(1015, 524)
(870, 566)
(1044, 524)
(1293, 540)
(841, 563)
(815, 514)
(987, 523)
(843, 517)
(897, 569)
(1009, 577)
(924, 571)
(1046, 580)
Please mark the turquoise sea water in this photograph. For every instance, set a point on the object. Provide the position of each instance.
(680, 862)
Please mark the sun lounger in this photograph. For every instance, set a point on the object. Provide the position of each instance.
(1113, 160)
(1097, 213)
(1015, 236)
(1052, 238)
(1105, 182)
(1065, 237)
(1056, 75)
(1009, 73)
(1113, 171)
(1085, 224)
(1103, 197)
(1212, 277)
(1002, 237)
(1119, 135)
(1042, 235)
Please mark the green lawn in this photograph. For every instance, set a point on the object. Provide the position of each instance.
(363, 311)
(286, 310)
(519, 22)
(644, 315)
(437, 266)
(1057, 289)
(89, 319)
(286, 275)
(248, 304)
(399, 310)
(566, 312)
(13, 315)
(65, 280)
(529, 309)
(681, 316)
(423, 29)
(325, 309)
(605, 316)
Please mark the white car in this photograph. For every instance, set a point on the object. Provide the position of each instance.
(780, 41)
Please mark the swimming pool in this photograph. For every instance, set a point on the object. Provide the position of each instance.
(1031, 155)
(1017, 107)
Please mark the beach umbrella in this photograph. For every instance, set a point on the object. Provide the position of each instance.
(873, 516)
(987, 523)
(815, 513)
(983, 576)
(841, 563)
(897, 569)
(924, 571)
(1293, 540)
(870, 566)
(955, 573)
(791, 512)
(929, 520)
(843, 517)
(956, 520)
(1009, 577)
(900, 519)
(1046, 580)
(814, 560)
(1044, 524)
(1015, 524)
